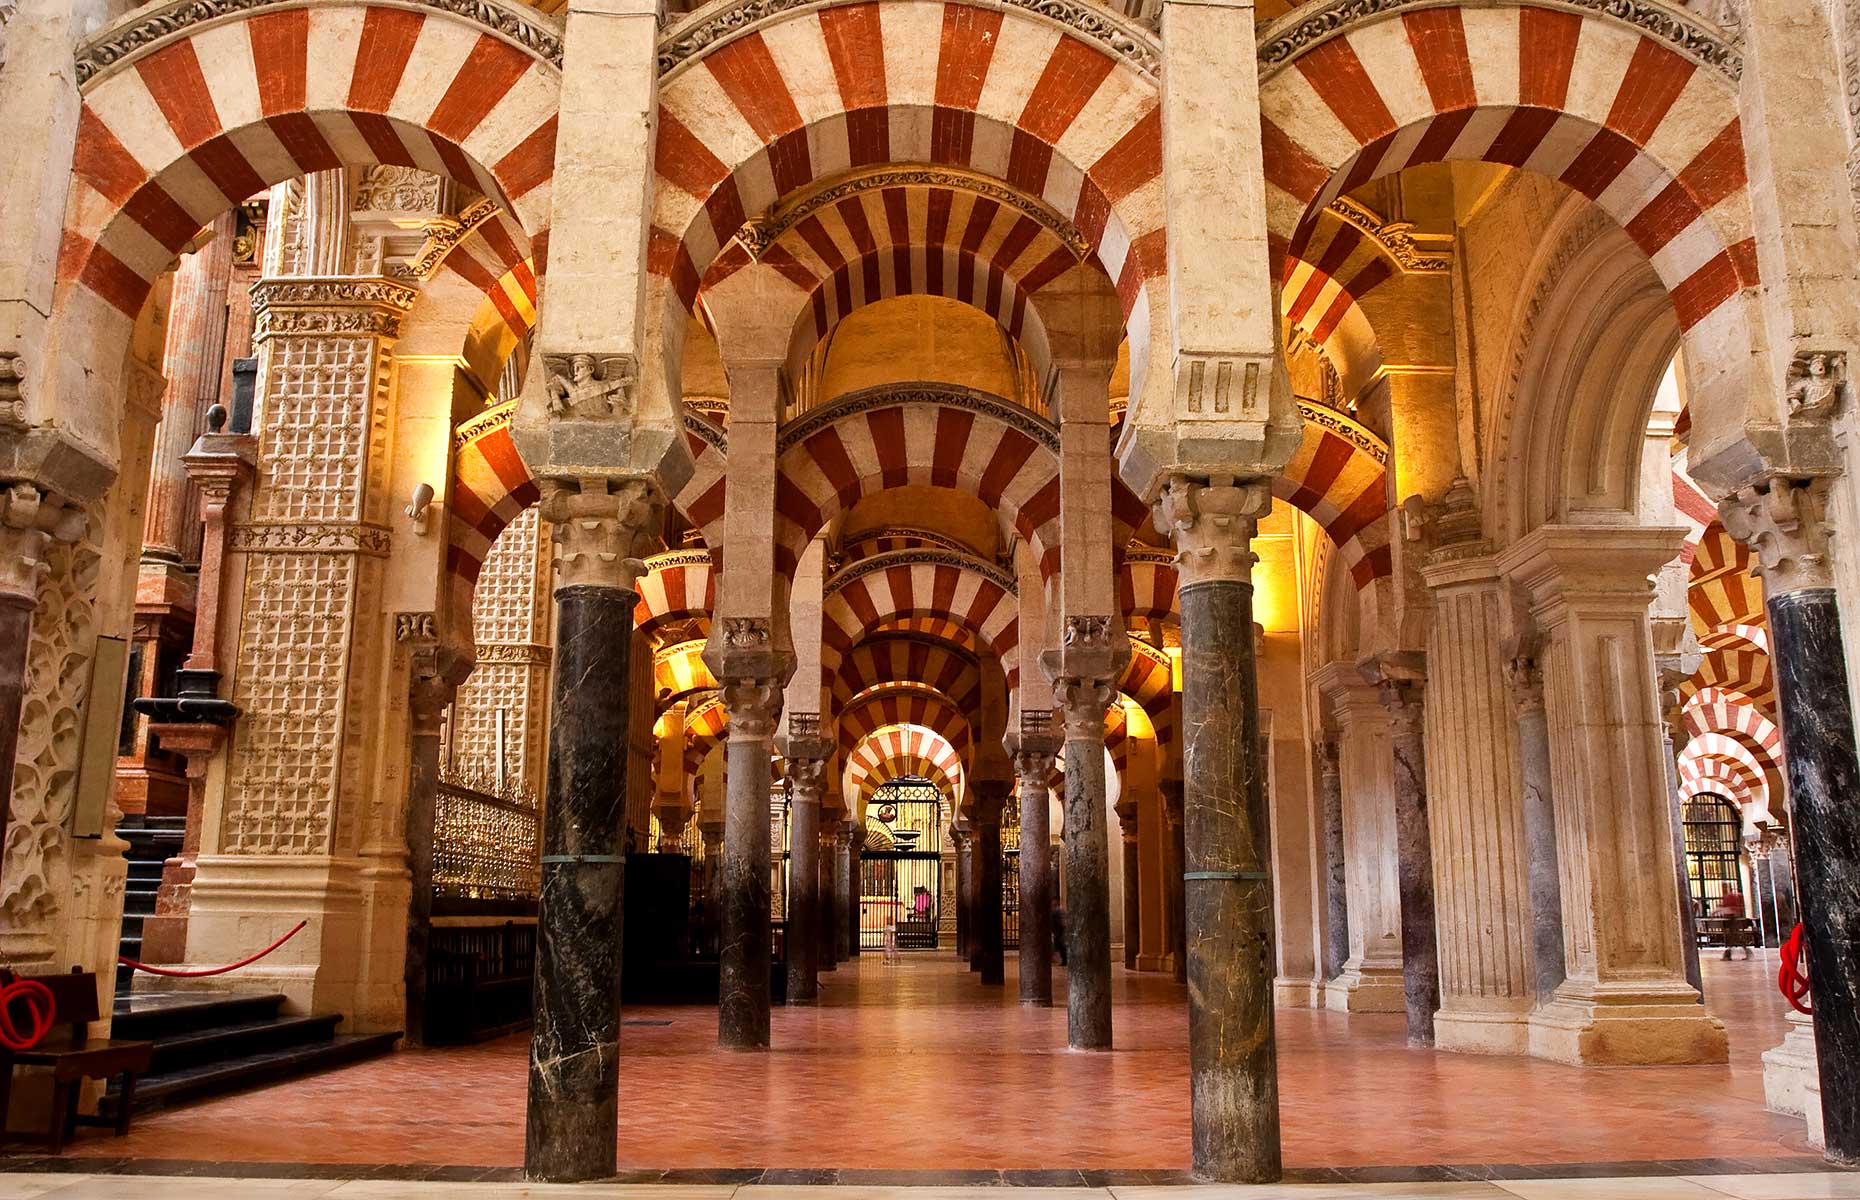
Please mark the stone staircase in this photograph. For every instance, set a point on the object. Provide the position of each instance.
(212, 1042)
(152, 842)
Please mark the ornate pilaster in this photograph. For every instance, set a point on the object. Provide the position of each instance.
(1786, 524)
(805, 754)
(600, 527)
(1232, 1050)
(1524, 681)
(1033, 767)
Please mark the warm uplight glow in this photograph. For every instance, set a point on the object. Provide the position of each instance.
(1175, 666)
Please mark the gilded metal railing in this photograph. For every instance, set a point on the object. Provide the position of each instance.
(484, 846)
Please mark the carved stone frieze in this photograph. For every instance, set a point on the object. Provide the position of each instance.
(601, 525)
(591, 387)
(486, 422)
(445, 233)
(1785, 524)
(893, 395)
(1395, 237)
(1347, 429)
(1309, 26)
(152, 28)
(1212, 523)
(526, 653)
(357, 306)
(1817, 383)
(386, 187)
(312, 537)
(712, 27)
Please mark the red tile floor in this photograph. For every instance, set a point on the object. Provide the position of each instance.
(919, 1066)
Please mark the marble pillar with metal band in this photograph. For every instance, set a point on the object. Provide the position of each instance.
(1175, 899)
(1082, 701)
(753, 704)
(572, 1125)
(1336, 891)
(1233, 1065)
(433, 678)
(989, 800)
(805, 754)
(1525, 679)
(1785, 522)
(1414, 862)
(1033, 765)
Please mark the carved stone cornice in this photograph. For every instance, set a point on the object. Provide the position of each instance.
(311, 537)
(759, 233)
(1350, 431)
(906, 558)
(444, 234)
(330, 306)
(150, 29)
(487, 422)
(897, 395)
(1785, 524)
(1309, 26)
(599, 527)
(30, 521)
(514, 653)
(711, 27)
(1395, 237)
(678, 558)
(1212, 523)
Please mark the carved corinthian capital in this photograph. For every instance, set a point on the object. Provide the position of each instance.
(754, 707)
(30, 520)
(1212, 522)
(807, 777)
(1785, 524)
(1082, 704)
(601, 527)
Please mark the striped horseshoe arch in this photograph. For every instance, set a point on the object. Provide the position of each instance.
(753, 111)
(898, 752)
(905, 704)
(1715, 710)
(705, 725)
(1737, 659)
(911, 582)
(185, 115)
(677, 672)
(1149, 679)
(1146, 585)
(678, 585)
(488, 253)
(1647, 132)
(1716, 756)
(1339, 477)
(938, 665)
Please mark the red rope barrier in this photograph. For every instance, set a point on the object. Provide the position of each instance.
(38, 1001)
(1792, 978)
(244, 962)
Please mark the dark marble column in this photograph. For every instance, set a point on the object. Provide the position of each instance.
(1083, 701)
(744, 953)
(1549, 966)
(1785, 524)
(1414, 864)
(1336, 893)
(1175, 851)
(1033, 764)
(430, 693)
(806, 754)
(1673, 740)
(847, 883)
(827, 957)
(968, 942)
(985, 816)
(1133, 881)
(572, 1123)
(1233, 1066)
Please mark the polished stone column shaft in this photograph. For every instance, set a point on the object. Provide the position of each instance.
(1233, 1067)
(1033, 762)
(1133, 882)
(1336, 889)
(1526, 681)
(846, 883)
(1673, 741)
(1088, 866)
(572, 1126)
(1420, 955)
(828, 953)
(1786, 525)
(744, 953)
(985, 816)
(803, 945)
(1175, 859)
(430, 694)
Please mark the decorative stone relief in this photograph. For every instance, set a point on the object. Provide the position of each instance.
(37, 846)
(1084, 632)
(28, 527)
(754, 708)
(746, 633)
(388, 188)
(443, 234)
(600, 528)
(590, 387)
(415, 627)
(12, 389)
(1396, 237)
(1212, 523)
(1817, 383)
(1785, 524)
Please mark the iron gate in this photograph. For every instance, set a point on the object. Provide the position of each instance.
(900, 869)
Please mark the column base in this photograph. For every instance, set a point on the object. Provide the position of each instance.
(1365, 988)
(1297, 993)
(1495, 1030)
(1626, 1025)
(1792, 1078)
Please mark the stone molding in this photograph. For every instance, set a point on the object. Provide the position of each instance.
(759, 233)
(312, 537)
(331, 306)
(516, 653)
(893, 395)
(1212, 524)
(1396, 238)
(711, 27)
(599, 526)
(1357, 435)
(679, 558)
(30, 521)
(443, 234)
(148, 30)
(487, 422)
(1310, 26)
(1785, 525)
(906, 558)
(697, 423)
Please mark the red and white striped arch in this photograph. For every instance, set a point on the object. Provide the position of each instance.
(492, 258)
(896, 752)
(1339, 477)
(1722, 588)
(1645, 132)
(905, 704)
(835, 455)
(174, 133)
(705, 726)
(490, 486)
(1737, 659)
(1715, 756)
(808, 94)
(1150, 680)
(1716, 710)
(679, 585)
(876, 662)
(678, 671)
(910, 583)
(1327, 271)
(1693, 508)
(702, 497)
(1146, 586)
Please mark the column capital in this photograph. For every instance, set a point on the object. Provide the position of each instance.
(753, 705)
(1560, 566)
(1082, 704)
(1406, 703)
(601, 525)
(1524, 679)
(1211, 521)
(1785, 523)
(30, 521)
(1033, 760)
(1327, 755)
(806, 776)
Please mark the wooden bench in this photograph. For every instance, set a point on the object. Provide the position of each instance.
(1728, 932)
(74, 1057)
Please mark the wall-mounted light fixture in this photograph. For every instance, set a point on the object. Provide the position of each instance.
(421, 509)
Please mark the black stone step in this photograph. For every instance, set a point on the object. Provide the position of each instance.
(265, 1067)
(153, 1016)
(224, 1043)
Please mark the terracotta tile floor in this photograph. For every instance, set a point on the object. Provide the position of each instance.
(917, 1066)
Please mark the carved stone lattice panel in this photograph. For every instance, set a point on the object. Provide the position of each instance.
(510, 624)
(315, 429)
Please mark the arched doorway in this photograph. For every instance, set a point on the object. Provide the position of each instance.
(900, 866)
(1712, 829)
